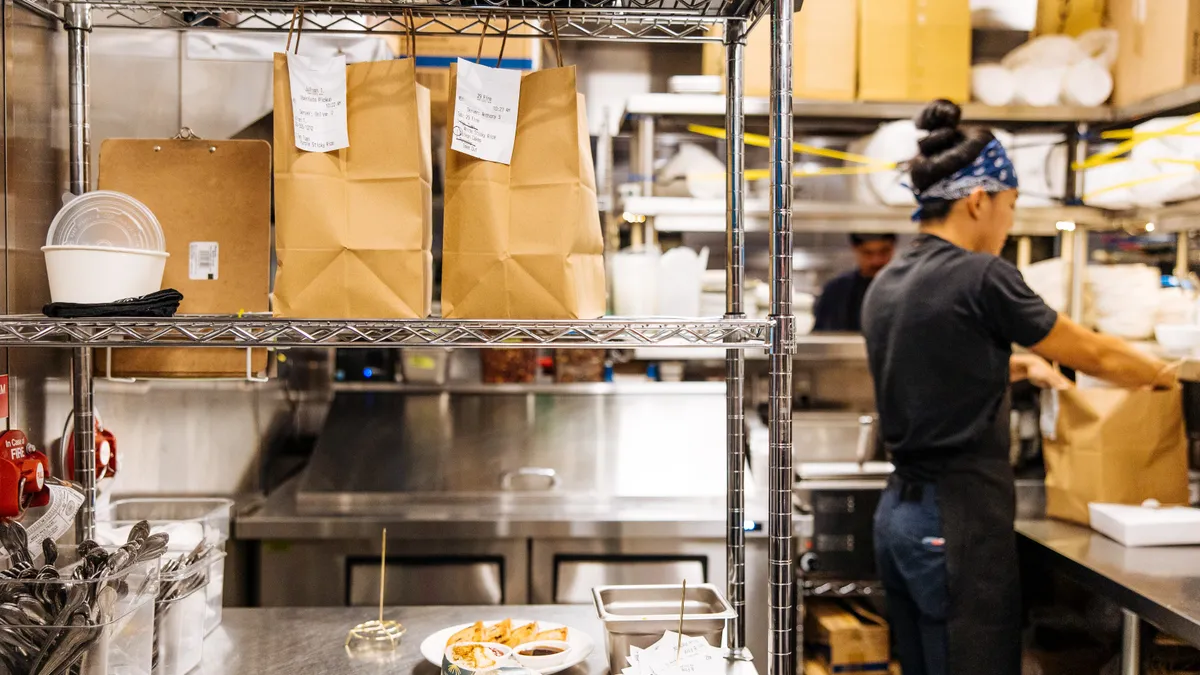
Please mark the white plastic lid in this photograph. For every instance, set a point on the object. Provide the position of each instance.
(106, 218)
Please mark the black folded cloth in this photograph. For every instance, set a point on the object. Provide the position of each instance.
(164, 303)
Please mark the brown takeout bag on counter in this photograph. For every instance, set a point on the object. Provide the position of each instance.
(1114, 446)
(523, 241)
(213, 201)
(354, 227)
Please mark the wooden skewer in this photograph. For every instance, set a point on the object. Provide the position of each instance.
(382, 574)
(682, 604)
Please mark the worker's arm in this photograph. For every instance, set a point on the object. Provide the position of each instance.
(1103, 356)
(1037, 370)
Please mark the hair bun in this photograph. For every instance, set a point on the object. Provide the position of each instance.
(940, 140)
(938, 115)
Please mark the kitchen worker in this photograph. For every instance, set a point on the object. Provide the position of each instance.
(940, 323)
(840, 306)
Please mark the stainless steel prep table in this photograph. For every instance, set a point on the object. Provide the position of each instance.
(1160, 585)
(293, 641)
(601, 488)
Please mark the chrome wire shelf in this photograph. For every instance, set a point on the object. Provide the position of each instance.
(628, 20)
(208, 331)
(816, 588)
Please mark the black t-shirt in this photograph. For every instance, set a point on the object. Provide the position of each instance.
(840, 306)
(940, 322)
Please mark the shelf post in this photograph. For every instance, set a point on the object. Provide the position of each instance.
(735, 363)
(781, 638)
(1075, 242)
(78, 20)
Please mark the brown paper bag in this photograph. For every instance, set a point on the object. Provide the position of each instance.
(353, 227)
(203, 193)
(1115, 446)
(523, 241)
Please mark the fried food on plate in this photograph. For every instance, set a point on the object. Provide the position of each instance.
(472, 656)
(552, 634)
(497, 632)
(521, 635)
(472, 633)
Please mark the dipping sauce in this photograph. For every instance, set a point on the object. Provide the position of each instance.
(541, 651)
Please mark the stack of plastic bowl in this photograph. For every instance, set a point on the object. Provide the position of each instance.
(104, 246)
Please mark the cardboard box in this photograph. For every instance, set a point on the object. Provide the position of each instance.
(846, 636)
(435, 53)
(1069, 17)
(914, 50)
(1159, 49)
(824, 53)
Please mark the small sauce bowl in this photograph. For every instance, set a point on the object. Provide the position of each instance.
(542, 654)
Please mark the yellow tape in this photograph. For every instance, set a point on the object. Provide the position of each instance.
(1117, 134)
(760, 141)
(1108, 156)
(764, 174)
(1134, 182)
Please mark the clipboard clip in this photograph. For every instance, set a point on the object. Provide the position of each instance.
(186, 134)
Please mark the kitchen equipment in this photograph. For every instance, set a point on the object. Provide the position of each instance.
(188, 521)
(680, 278)
(637, 616)
(425, 366)
(106, 219)
(99, 274)
(180, 610)
(87, 605)
(841, 497)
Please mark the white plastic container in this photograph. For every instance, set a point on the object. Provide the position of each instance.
(94, 274)
(180, 614)
(187, 520)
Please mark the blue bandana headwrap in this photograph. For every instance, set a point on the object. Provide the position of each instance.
(992, 170)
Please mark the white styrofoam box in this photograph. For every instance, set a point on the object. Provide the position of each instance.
(1144, 526)
(1177, 180)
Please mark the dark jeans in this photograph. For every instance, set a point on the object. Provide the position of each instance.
(912, 565)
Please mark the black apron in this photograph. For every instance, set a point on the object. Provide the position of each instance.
(977, 500)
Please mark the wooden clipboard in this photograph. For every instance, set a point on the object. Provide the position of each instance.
(213, 200)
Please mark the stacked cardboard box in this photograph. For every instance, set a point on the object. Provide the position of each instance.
(872, 50)
(1159, 47)
(846, 637)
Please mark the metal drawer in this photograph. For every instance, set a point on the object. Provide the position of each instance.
(427, 582)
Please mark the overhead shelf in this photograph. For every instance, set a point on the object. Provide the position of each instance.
(209, 331)
(713, 105)
(628, 20)
(683, 214)
(813, 347)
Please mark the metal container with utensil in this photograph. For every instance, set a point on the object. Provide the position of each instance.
(637, 616)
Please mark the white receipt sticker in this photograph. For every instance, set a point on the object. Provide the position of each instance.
(203, 260)
(485, 111)
(58, 517)
(319, 102)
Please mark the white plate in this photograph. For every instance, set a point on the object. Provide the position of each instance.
(434, 646)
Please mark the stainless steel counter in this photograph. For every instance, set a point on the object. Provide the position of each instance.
(311, 641)
(1160, 585)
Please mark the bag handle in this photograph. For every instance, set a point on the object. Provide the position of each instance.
(296, 24)
(557, 44)
(411, 29)
(487, 20)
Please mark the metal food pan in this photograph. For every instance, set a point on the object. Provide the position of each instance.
(637, 616)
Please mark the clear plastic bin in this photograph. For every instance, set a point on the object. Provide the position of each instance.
(119, 639)
(181, 613)
(188, 520)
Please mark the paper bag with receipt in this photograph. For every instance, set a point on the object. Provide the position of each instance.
(353, 227)
(1115, 446)
(523, 240)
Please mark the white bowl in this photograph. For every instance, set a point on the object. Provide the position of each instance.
(95, 274)
(540, 662)
(1177, 339)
